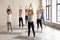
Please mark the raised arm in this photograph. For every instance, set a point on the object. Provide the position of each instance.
(10, 10)
(31, 6)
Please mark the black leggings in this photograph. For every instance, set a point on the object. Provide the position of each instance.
(30, 24)
(39, 21)
(20, 20)
(9, 25)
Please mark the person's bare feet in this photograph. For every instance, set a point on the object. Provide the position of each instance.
(41, 30)
(37, 29)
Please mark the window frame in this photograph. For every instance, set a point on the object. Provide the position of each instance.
(47, 6)
(57, 4)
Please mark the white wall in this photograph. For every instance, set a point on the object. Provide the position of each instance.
(15, 5)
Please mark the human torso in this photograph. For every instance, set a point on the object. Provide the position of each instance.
(38, 15)
(9, 19)
(30, 18)
(20, 15)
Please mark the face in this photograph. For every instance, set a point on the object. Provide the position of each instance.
(39, 11)
(30, 12)
(42, 10)
(26, 11)
(20, 12)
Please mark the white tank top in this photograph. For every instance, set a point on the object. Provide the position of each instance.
(9, 18)
(39, 16)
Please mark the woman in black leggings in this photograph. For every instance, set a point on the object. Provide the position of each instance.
(20, 18)
(39, 20)
(30, 21)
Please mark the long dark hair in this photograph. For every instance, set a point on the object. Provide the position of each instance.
(8, 10)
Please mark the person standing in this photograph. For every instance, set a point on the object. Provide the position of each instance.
(30, 21)
(39, 20)
(42, 16)
(9, 18)
(20, 18)
(26, 16)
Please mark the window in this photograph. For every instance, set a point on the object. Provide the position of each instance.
(48, 10)
(58, 11)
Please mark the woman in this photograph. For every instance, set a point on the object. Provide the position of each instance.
(39, 20)
(9, 19)
(30, 21)
(20, 18)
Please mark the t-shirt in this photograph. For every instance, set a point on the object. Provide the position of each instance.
(9, 18)
(30, 18)
(39, 16)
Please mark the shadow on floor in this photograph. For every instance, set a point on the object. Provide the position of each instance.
(19, 28)
(35, 31)
(10, 33)
(24, 38)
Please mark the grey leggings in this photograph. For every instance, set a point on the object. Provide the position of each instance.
(9, 25)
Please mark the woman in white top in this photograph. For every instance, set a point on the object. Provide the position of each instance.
(39, 20)
(30, 21)
(9, 19)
